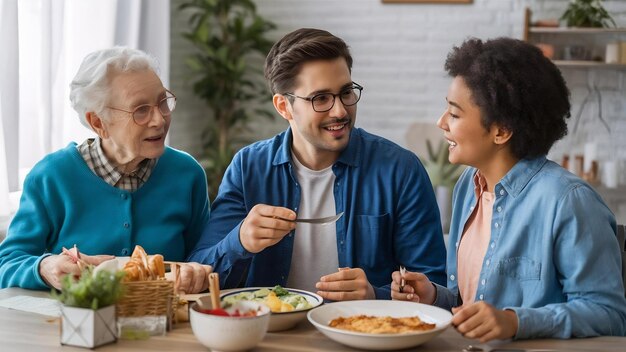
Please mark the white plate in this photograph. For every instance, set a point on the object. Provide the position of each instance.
(283, 320)
(321, 317)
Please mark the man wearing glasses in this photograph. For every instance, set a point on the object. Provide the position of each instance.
(321, 166)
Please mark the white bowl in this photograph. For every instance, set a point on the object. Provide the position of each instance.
(321, 317)
(283, 320)
(221, 333)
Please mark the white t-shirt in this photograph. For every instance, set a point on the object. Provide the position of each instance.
(315, 246)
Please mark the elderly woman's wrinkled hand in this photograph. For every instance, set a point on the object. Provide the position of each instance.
(52, 268)
(193, 277)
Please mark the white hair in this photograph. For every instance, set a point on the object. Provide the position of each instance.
(89, 90)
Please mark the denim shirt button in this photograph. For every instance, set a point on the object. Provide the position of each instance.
(451, 277)
(487, 262)
(499, 209)
(496, 225)
(482, 282)
(502, 192)
(480, 297)
(493, 244)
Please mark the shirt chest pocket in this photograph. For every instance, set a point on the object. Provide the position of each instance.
(373, 223)
(519, 268)
(374, 239)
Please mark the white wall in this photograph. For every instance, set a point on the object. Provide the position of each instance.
(399, 51)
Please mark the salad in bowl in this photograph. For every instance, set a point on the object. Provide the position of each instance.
(288, 306)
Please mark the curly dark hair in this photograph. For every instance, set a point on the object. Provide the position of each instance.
(286, 57)
(516, 87)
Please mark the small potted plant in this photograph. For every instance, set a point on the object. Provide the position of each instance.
(88, 310)
(587, 13)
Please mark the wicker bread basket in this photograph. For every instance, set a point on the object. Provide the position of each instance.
(147, 298)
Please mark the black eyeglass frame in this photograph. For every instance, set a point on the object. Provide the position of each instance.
(157, 105)
(311, 99)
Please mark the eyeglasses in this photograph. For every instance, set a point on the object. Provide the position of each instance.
(141, 114)
(323, 102)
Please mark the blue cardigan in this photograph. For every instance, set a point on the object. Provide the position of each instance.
(65, 203)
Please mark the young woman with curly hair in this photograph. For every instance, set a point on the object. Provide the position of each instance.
(533, 251)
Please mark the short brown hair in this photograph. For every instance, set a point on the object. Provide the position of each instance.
(286, 57)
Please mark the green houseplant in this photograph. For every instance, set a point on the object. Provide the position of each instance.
(587, 13)
(443, 175)
(88, 311)
(440, 170)
(230, 41)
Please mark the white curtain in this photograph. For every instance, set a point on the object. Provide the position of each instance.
(8, 103)
(54, 37)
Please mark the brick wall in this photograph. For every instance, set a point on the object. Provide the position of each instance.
(399, 50)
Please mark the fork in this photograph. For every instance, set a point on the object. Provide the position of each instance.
(322, 221)
(75, 256)
(402, 272)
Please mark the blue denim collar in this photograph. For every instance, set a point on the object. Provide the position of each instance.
(520, 175)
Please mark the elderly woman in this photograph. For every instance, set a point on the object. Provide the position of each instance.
(120, 189)
(533, 247)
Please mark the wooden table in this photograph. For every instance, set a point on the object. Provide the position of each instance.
(23, 331)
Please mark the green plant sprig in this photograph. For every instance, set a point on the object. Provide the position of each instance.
(91, 291)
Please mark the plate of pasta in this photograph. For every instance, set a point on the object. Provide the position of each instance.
(380, 324)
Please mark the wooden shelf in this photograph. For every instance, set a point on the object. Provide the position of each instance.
(590, 64)
(576, 30)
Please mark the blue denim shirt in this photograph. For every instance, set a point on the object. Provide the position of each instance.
(553, 256)
(390, 213)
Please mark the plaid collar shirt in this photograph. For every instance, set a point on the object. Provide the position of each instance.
(92, 153)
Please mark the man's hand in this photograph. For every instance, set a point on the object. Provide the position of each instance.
(344, 285)
(417, 288)
(265, 226)
(193, 277)
(52, 268)
(482, 321)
